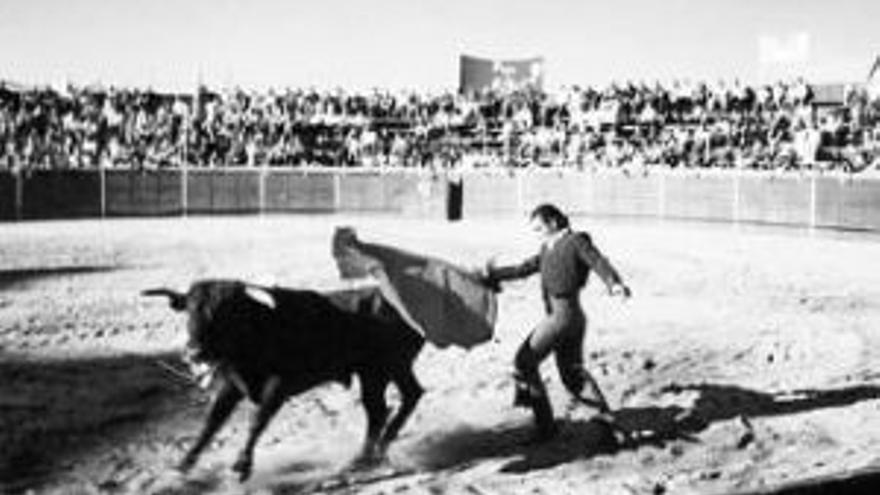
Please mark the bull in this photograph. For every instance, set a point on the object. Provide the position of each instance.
(269, 344)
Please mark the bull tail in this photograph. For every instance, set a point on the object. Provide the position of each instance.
(176, 299)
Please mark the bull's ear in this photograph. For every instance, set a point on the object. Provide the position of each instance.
(176, 300)
(261, 296)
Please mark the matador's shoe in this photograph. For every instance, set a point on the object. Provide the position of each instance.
(618, 435)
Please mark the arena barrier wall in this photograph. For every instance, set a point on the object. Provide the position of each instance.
(61, 194)
(143, 193)
(7, 196)
(224, 191)
(428, 195)
(570, 191)
(860, 204)
(847, 203)
(369, 191)
(842, 202)
(492, 194)
(774, 200)
(412, 193)
(827, 193)
(298, 191)
(698, 197)
(629, 195)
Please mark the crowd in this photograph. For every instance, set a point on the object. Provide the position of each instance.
(627, 126)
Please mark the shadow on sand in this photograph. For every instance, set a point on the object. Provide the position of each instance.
(14, 276)
(656, 426)
(855, 483)
(52, 411)
(55, 411)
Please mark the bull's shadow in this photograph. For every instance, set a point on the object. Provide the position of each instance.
(656, 426)
(54, 412)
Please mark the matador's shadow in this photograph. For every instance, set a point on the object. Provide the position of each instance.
(653, 426)
(723, 402)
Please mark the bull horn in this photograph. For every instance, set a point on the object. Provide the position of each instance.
(261, 296)
(176, 299)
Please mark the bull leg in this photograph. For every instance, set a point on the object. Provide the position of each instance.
(411, 392)
(222, 406)
(373, 397)
(271, 400)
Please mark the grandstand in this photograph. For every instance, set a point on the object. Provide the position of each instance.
(70, 153)
(780, 126)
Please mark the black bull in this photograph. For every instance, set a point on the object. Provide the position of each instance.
(268, 344)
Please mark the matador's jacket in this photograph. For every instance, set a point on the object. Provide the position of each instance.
(565, 267)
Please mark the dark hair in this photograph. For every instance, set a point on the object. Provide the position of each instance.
(549, 213)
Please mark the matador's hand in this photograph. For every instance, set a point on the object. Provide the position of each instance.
(485, 276)
(621, 290)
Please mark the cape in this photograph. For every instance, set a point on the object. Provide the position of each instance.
(448, 304)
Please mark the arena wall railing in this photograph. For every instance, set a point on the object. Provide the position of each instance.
(796, 199)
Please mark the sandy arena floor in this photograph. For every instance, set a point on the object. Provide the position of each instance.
(748, 356)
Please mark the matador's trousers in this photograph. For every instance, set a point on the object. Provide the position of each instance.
(562, 333)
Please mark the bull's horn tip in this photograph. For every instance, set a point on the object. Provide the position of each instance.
(155, 292)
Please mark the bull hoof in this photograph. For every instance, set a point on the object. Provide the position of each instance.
(186, 464)
(369, 460)
(243, 468)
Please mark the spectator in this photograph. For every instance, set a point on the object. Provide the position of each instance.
(691, 124)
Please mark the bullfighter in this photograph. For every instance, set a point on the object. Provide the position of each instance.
(565, 261)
